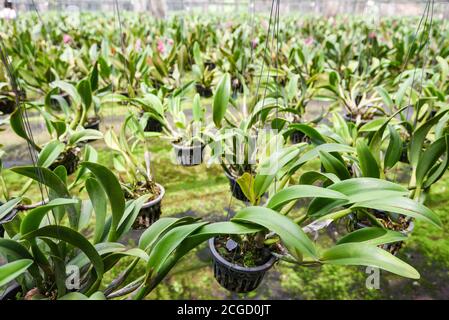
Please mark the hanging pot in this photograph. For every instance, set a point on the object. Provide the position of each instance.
(69, 159)
(7, 106)
(153, 125)
(235, 188)
(393, 248)
(189, 156)
(203, 91)
(234, 277)
(298, 137)
(210, 65)
(8, 218)
(93, 123)
(11, 292)
(150, 211)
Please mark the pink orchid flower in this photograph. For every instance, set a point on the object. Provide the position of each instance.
(254, 43)
(138, 45)
(309, 41)
(160, 46)
(67, 39)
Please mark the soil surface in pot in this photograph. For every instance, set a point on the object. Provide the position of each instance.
(141, 189)
(241, 253)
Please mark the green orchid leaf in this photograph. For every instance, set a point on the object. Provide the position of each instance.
(290, 233)
(401, 205)
(114, 192)
(394, 150)
(50, 153)
(98, 197)
(373, 236)
(221, 99)
(367, 162)
(333, 165)
(294, 193)
(12, 270)
(85, 135)
(367, 255)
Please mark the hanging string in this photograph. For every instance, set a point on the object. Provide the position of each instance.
(24, 118)
(276, 81)
(424, 18)
(37, 13)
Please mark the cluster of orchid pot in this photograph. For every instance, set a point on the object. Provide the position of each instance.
(218, 97)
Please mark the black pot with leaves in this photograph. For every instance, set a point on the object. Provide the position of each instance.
(150, 211)
(8, 102)
(234, 277)
(69, 159)
(6, 218)
(189, 156)
(298, 137)
(205, 92)
(153, 125)
(10, 293)
(93, 123)
(235, 188)
(7, 106)
(210, 65)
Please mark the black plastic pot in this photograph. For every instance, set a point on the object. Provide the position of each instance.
(235, 188)
(69, 159)
(8, 218)
(210, 65)
(150, 211)
(189, 156)
(153, 125)
(7, 106)
(93, 123)
(11, 291)
(392, 248)
(236, 278)
(203, 91)
(298, 137)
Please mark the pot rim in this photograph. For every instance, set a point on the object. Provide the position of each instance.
(9, 217)
(231, 176)
(97, 121)
(267, 265)
(157, 200)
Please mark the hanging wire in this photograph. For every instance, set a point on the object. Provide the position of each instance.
(276, 81)
(424, 18)
(24, 118)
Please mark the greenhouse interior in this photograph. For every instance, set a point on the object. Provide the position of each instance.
(224, 150)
